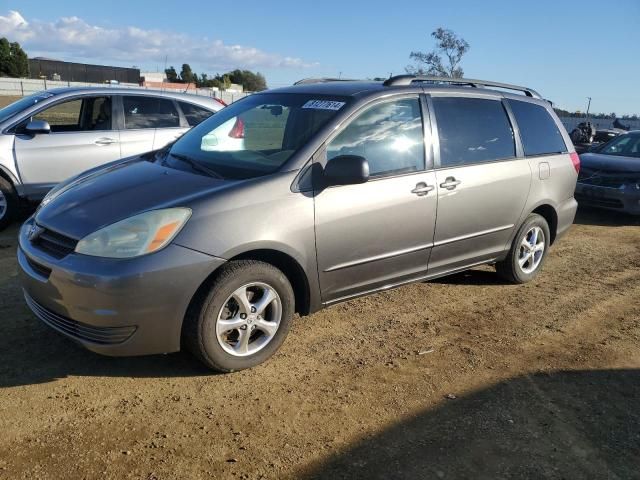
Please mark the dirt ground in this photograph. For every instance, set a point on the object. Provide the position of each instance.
(464, 377)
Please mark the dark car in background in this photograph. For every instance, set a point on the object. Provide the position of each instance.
(610, 175)
(586, 138)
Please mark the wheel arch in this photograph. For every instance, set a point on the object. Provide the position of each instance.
(9, 177)
(550, 214)
(292, 270)
(282, 261)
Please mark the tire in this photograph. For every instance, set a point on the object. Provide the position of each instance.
(8, 203)
(221, 349)
(512, 268)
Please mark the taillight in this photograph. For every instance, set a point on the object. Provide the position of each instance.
(575, 159)
(238, 129)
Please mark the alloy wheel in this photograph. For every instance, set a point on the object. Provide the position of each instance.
(249, 319)
(531, 250)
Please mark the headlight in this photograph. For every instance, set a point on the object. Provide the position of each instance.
(135, 236)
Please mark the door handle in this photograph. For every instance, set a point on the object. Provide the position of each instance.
(450, 183)
(422, 189)
(105, 141)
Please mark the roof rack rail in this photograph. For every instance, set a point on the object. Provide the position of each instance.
(306, 81)
(404, 80)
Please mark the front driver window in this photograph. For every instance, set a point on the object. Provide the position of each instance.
(389, 135)
(79, 115)
(63, 117)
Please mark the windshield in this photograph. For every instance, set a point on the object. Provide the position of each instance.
(624, 145)
(22, 104)
(254, 136)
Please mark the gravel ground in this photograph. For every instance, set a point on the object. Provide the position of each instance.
(464, 377)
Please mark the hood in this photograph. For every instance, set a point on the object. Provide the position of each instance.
(610, 163)
(120, 191)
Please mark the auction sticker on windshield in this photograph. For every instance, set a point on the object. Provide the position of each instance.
(324, 104)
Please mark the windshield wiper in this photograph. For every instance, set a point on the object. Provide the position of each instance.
(196, 165)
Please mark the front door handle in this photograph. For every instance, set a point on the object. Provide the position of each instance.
(450, 183)
(105, 141)
(422, 189)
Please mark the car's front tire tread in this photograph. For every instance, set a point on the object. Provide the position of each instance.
(13, 203)
(202, 314)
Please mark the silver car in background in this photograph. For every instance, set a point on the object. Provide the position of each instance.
(53, 135)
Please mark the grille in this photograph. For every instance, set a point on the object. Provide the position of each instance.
(77, 330)
(599, 201)
(588, 176)
(55, 244)
(38, 268)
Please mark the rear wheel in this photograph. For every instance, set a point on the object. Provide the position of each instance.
(528, 251)
(8, 203)
(242, 319)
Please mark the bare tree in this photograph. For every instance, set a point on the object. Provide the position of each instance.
(449, 46)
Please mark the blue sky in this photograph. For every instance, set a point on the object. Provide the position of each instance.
(567, 50)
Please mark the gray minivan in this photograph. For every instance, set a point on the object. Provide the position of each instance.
(340, 189)
(52, 135)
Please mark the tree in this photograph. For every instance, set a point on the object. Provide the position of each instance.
(203, 81)
(251, 82)
(448, 45)
(172, 75)
(186, 74)
(13, 60)
(20, 60)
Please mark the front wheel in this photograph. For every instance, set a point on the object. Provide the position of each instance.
(8, 203)
(244, 317)
(528, 251)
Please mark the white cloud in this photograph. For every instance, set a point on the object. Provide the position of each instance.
(70, 38)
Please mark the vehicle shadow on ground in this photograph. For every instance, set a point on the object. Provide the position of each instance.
(473, 277)
(569, 424)
(32, 353)
(605, 218)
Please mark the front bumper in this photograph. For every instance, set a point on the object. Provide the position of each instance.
(623, 199)
(114, 306)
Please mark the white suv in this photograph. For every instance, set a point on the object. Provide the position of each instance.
(53, 135)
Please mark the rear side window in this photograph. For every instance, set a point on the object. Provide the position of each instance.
(472, 130)
(194, 114)
(540, 134)
(149, 112)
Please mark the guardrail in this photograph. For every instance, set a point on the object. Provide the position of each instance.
(27, 86)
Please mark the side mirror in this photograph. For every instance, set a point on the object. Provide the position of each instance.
(36, 127)
(346, 170)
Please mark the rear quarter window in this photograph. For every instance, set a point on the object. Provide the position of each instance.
(194, 114)
(539, 133)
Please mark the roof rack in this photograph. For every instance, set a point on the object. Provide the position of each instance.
(306, 81)
(404, 80)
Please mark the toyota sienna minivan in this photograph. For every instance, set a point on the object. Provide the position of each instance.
(340, 189)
